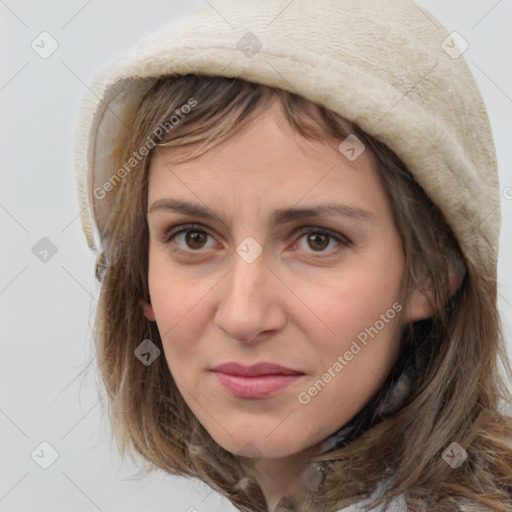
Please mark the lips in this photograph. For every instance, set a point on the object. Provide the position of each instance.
(255, 370)
(261, 380)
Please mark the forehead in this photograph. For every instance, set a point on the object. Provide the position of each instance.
(267, 162)
(267, 139)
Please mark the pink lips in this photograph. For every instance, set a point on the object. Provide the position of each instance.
(257, 381)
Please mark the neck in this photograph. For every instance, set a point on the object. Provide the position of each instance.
(280, 477)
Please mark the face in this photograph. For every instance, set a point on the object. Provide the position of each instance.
(260, 270)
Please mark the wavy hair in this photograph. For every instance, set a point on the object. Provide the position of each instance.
(458, 393)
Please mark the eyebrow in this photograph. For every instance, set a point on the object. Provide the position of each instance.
(280, 216)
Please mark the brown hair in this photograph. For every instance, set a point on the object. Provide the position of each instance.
(456, 394)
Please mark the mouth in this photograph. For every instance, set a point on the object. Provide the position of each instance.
(261, 380)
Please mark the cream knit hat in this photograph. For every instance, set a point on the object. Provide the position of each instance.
(386, 65)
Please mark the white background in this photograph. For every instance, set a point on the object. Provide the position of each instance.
(46, 308)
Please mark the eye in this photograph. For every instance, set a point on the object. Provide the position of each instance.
(318, 239)
(190, 237)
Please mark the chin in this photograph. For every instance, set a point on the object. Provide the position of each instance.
(257, 447)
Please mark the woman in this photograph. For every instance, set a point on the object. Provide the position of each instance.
(296, 211)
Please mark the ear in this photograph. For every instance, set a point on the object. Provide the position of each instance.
(421, 302)
(419, 305)
(147, 308)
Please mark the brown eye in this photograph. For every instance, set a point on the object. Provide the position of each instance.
(195, 239)
(188, 238)
(318, 241)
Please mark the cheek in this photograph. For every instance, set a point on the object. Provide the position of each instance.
(364, 333)
(360, 321)
(182, 308)
(353, 360)
(357, 298)
(166, 306)
(174, 308)
(172, 295)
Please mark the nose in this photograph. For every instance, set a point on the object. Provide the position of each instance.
(251, 305)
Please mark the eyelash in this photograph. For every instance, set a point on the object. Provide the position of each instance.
(343, 241)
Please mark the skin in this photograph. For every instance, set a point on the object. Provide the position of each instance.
(299, 304)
